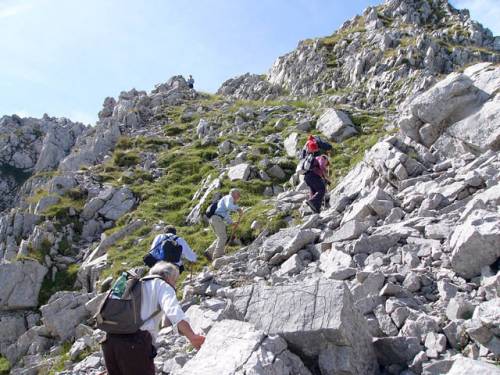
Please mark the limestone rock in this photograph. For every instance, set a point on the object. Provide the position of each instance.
(396, 350)
(468, 366)
(120, 203)
(291, 144)
(337, 265)
(323, 318)
(239, 172)
(475, 243)
(64, 312)
(485, 325)
(234, 347)
(21, 282)
(336, 125)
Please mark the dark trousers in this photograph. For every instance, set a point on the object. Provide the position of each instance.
(318, 189)
(129, 354)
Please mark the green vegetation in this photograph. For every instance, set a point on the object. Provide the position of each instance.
(185, 165)
(4, 366)
(37, 255)
(126, 159)
(60, 362)
(64, 280)
(350, 152)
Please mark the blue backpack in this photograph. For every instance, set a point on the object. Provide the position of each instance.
(167, 250)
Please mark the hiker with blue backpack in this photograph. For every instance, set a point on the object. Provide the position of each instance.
(132, 318)
(314, 166)
(219, 214)
(170, 248)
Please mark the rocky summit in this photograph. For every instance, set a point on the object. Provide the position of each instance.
(398, 275)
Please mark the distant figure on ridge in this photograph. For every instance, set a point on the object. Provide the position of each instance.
(219, 214)
(190, 81)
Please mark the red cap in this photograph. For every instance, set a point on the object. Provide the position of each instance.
(311, 144)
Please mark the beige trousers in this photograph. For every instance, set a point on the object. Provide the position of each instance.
(219, 227)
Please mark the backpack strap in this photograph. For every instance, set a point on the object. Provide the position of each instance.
(171, 235)
(155, 313)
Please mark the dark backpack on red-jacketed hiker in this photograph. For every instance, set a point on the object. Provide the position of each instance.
(122, 315)
(167, 250)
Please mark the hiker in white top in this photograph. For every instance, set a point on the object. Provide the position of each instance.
(161, 293)
(187, 252)
(133, 354)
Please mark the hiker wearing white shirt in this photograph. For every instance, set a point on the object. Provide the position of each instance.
(132, 354)
(187, 252)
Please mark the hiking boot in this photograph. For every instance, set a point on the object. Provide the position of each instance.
(311, 206)
(207, 255)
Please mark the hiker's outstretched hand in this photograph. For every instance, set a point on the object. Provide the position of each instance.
(197, 341)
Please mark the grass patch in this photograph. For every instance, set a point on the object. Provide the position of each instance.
(126, 158)
(64, 280)
(59, 364)
(4, 365)
(351, 151)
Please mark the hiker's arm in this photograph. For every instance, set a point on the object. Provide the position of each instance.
(187, 252)
(186, 330)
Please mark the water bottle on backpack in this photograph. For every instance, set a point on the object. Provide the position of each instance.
(119, 286)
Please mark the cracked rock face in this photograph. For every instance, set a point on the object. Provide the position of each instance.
(236, 348)
(316, 318)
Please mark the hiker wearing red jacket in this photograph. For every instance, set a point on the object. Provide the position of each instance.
(316, 179)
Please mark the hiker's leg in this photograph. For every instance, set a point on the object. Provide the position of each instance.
(320, 188)
(110, 359)
(309, 180)
(134, 354)
(220, 231)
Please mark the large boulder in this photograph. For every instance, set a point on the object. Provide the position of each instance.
(234, 347)
(485, 325)
(12, 325)
(287, 242)
(21, 283)
(121, 201)
(290, 144)
(481, 130)
(450, 100)
(336, 125)
(475, 243)
(239, 172)
(337, 264)
(64, 312)
(377, 203)
(468, 366)
(318, 320)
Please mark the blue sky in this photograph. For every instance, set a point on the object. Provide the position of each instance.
(63, 57)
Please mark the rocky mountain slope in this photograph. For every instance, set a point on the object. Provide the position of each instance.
(377, 59)
(400, 275)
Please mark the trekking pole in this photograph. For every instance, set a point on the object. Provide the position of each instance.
(233, 232)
